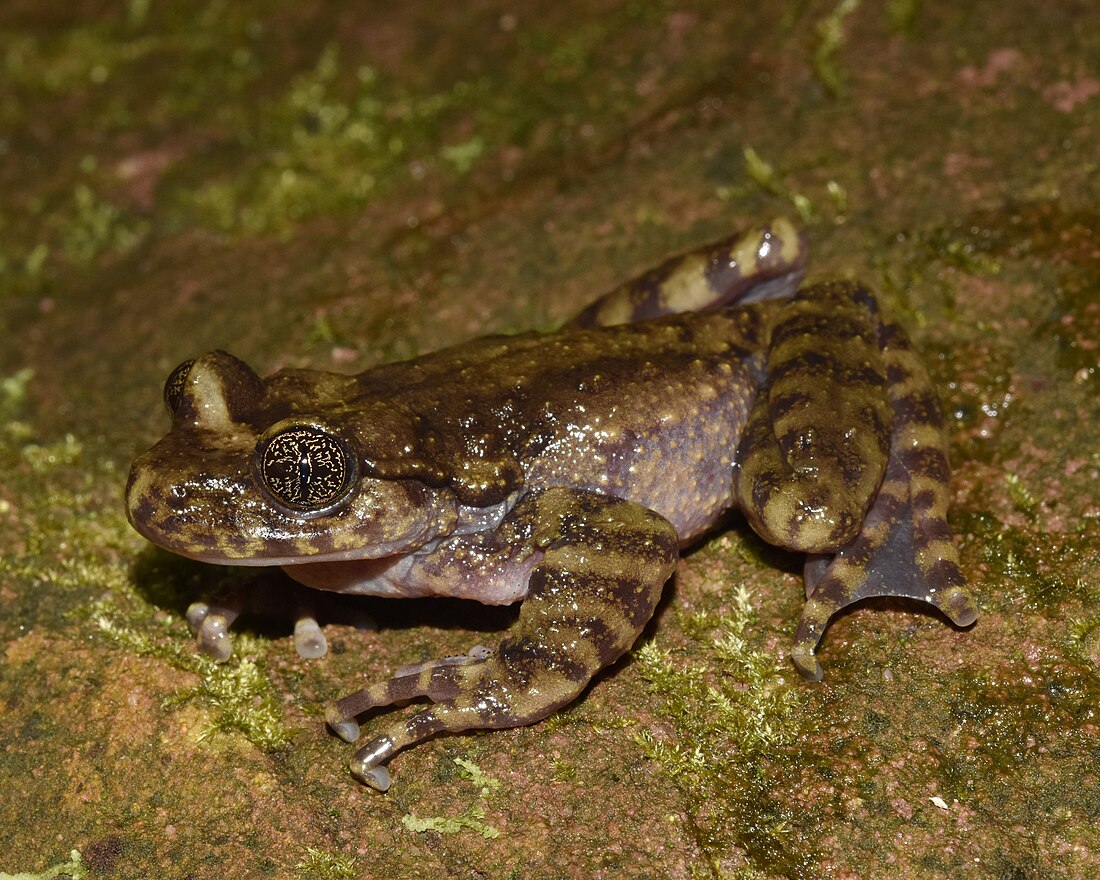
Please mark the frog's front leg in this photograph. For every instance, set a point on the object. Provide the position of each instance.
(600, 564)
(210, 622)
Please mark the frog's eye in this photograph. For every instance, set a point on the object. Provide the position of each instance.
(173, 385)
(305, 468)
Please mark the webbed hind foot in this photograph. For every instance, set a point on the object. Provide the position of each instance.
(904, 547)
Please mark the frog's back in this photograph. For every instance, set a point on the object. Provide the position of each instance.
(649, 412)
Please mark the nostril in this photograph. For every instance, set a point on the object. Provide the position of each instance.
(177, 500)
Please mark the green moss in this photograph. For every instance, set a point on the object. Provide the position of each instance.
(96, 226)
(42, 458)
(469, 771)
(563, 770)
(764, 175)
(320, 865)
(1035, 571)
(737, 722)
(1021, 496)
(73, 566)
(252, 123)
(1008, 722)
(469, 821)
(903, 15)
(13, 394)
(472, 819)
(1044, 242)
(66, 545)
(237, 693)
(73, 869)
(84, 227)
(329, 143)
(1083, 638)
(831, 38)
(463, 157)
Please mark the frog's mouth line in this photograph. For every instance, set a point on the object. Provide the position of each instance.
(289, 557)
(361, 556)
(272, 547)
(223, 521)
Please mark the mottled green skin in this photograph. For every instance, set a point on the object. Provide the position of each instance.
(568, 470)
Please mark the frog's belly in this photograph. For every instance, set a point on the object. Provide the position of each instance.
(680, 466)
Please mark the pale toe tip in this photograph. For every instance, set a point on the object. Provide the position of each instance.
(196, 614)
(806, 664)
(309, 640)
(378, 778)
(367, 767)
(960, 607)
(348, 730)
(213, 637)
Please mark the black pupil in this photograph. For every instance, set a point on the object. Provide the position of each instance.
(305, 467)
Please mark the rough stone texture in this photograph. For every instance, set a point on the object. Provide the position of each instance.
(338, 184)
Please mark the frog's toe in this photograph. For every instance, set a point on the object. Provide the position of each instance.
(309, 640)
(213, 638)
(435, 681)
(210, 622)
(196, 614)
(378, 778)
(345, 728)
(814, 570)
(211, 630)
(806, 663)
(958, 604)
(815, 616)
(367, 767)
(476, 654)
(811, 627)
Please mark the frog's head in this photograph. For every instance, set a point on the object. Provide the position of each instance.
(278, 471)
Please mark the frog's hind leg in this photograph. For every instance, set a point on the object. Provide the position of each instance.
(604, 564)
(764, 262)
(904, 548)
(816, 444)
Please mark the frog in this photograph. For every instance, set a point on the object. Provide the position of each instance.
(568, 471)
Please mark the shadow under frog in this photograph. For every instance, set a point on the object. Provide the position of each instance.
(568, 470)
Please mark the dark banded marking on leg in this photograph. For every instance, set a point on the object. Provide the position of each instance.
(905, 547)
(814, 450)
(766, 262)
(605, 562)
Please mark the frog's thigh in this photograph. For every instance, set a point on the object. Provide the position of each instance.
(604, 566)
(815, 447)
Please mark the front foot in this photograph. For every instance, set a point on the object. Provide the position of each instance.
(603, 565)
(210, 626)
(212, 621)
